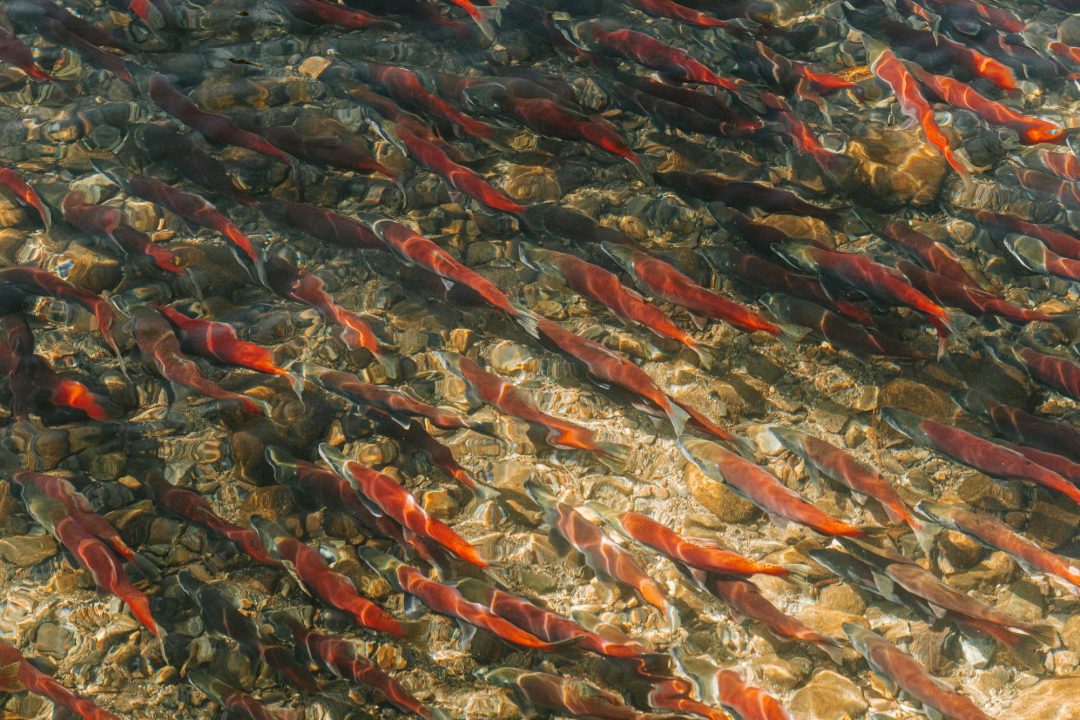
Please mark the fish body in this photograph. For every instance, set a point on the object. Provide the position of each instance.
(560, 695)
(221, 617)
(603, 555)
(289, 281)
(740, 194)
(212, 126)
(194, 507)
(158, 344)
(163, 140)
(333, 588)
(94, 55)
(890, 662)
(327, 13)
(675, 11)
(761, 487)
(14, 52)
(1065, 192)
(846, 469)
(932, 254)
(995, 534)
(1033, 254)
(219, 341)
(340, 657)
(970, 299)
(1057, 373)
(1031, 130)
(977, 452)
(886, 66)
(1005, 225)
(1022, 427)
(44, 284)
(328, 225)
(21, 189)
(410, 87)
(17, 673)
(700, 555)
(940, 51)
(663, 280)
(748, 701)
(111, 222)
(398, 503)
(230, 697)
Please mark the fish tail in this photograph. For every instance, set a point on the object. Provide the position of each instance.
(831, 647)
(795, 570)
(677, 415)
(528, 321)
(613, 455)
(140, 607)
(1045, 633)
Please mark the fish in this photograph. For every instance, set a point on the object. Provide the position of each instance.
(744, 598)
(94, 55)
(1066, 164)
(220, 616)
(791, 74)
(1050, 435)
(385, 496)
(880, 282)
(663, 280)
(604, 557)
(838, 331)
(801, 136)
(159, 345)
(483, 386)
(708, 106)
(447, 600)
(89, 553)
(412, 88)
(456, 176)
(1033, 254)
(289, 281)
(994, 534)
(1006, 225)
(17, 673)
(195, 508)
(1031, 130)
(112, 223)
(1057, 373)
(673, 64)
(951, 293)
(90, 32)
(322, 12)
(21, 189)
(34, 281)
(573, 226)
(481, 20)
(341, 658)
(740, 194)
(759, 271)
(675, 11)
(1038, 183)
(762, 488)
(1063, 466)
(561, 695)
(312, 572)
(402, 407)
(163, 140)
(324, 150)
(328, 489)
(604, 287)
(551, 118)
(891, 663)
(728, 688)
(939, 51)
(225, 693)
(195, 209)
(977, 452)
(666, 113)
(887, 67)
(80, 510)
(146, 11)
(972, 11)
(930, 253)
(415, 249)
(219, 341)
(544, 624)
(701, 554)
(326, 225)
(14, 52)
(415, 437)
(829, 460)
(213, 126)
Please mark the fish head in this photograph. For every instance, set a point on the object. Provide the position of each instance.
(840, 563)
(906, 423)
(269, 532)
(626, 257)
(606, 513)
(206, 679)
(287, 623)
(1029, 251)
(778, 305)
(934, 512)
(380, 562)
(450, 361)
(283, 465)
(860, 638)
(720, 257)
(1044, 132)
(336, 460)
(1003, 350)
(973, 401)
(536, 258)
(797, 254)
(540, 494)
(789, 439)
(190, 585)
(490, 97)
(507, 677)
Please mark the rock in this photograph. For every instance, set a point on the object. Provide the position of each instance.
(717, 497)
(828, 696)
(960, 550)
(829, 622)
(1024, 600)
(27, 550)
(780, 673)
(1051, 699)
(1070, 634)
(983, 493)
(273, 502)
(439, 504)
(918, 398)
(531, 183)
(842, 597)
(1051, 523)
(896, 167)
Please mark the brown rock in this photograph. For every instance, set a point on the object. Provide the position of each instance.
(960, 550)
(982, 492)
(828, 696)
(918, 398)
(1052, 699)
(1052, 523)
(842, 597)
(717, 497)
(27, 550)
(897, 167)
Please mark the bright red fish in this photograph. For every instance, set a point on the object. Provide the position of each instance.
(111, 222)
(26, 194)
(16, 673)
(219, 341)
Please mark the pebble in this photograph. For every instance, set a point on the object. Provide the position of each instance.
(1050, 699)
(27, 550)
(829, 696)
(717, 497)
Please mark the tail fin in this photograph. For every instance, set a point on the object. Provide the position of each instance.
(613, 455)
